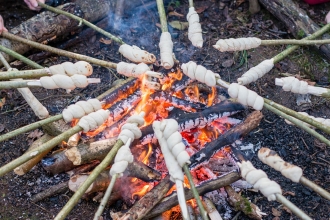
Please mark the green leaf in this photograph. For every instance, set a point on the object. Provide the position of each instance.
(179, 25)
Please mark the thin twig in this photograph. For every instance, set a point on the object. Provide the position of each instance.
(59, 51)
(105, 197)
(19, 56)
(298, 124)
(195, 192)
(4, 62)
(82, 189)
(39, 150)
(280, 198)
(162, 15)
(316, 188)
(25, 74)
(294, 42)
(83, 21)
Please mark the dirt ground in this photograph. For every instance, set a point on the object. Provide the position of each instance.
(220, 19)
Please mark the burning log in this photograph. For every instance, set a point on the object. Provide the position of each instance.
(242, 204)
(147, 202)
(48, 25)
(69, 159)
(208, 186)
(250, 123)
(199, 119)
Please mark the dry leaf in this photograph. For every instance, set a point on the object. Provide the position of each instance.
(290, 193)
(201, 9)
(239, 2)
(228, 63)
(2, 102)
(275, 212)
(174, 13)
(179, 25)
(105, 41)
(2, 127)
(287, 210)
(158, 25)
(309, 82)
(35, 134)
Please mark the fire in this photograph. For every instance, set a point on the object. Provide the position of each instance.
(177, 75)
(193, 93)
(144, 157)
(211, 96)
(142, 192)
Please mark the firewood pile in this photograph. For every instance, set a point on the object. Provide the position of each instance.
(162, 139)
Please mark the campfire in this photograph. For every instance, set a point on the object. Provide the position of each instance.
(163, 140)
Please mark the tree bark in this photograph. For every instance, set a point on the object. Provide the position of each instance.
(296, 20)
(49, 26)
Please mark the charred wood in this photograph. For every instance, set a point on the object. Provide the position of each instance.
(296, 20)
(48, 25)
(208, 186)
(147, 202)
(229, 137)
(182, 84)
(199, 119)
(69, 159)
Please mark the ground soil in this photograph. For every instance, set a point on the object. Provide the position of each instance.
(219, 20)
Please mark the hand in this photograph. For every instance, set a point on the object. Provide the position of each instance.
(33, 4)
(2, 27)
(327, 18)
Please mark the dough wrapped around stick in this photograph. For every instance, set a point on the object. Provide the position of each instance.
(123, 158)
(245, 96)
(166, 50)
(93, 120)
(259, 180)
(272, 159)
(199, 73)
(135, 54)
(80, 109)
(256, 72)
(237, 44)
(70, 69)
(130, 130)
(195, 29)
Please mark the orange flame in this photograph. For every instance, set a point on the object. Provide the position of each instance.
(211, 97)
(177, 75)
(142, 192)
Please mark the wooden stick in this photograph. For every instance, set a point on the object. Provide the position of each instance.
(316, 188)
(191, 3)
(105, 197)
(59, 51)
(298, 124)
(4, 62)
(298, 212)
(50, 191)
(19, 56)
(195, 192)
(76, 197)
(294, 42)
(39, 150)
(25, 74)
(82, 21)
(162, 15)
(207, 186)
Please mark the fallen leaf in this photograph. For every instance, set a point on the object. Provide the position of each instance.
(201, 9)
(309, 82)
(228, 63)
(290, 193)
(2, 102)
(158, 25)
(179, 25)
(239, 2)
(287, 210)
(174, 13)
(2, 127)
(275, 212)
(35, 134)
(105, 41)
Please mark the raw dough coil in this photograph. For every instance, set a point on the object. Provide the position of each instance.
(131, 69)
(64, 82)
(245, 96)
(130, 129)
(70, 69)
(166, 50)
(324, 121)
(172, 164)
(93, 120)
(294, 85)
(123, 158)
(195, 29)
(272, 159)
(81, 109)
(199, 73)
(259, 180)
(256, 72)
(169, 129)
(135, 54)
(237, 44)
